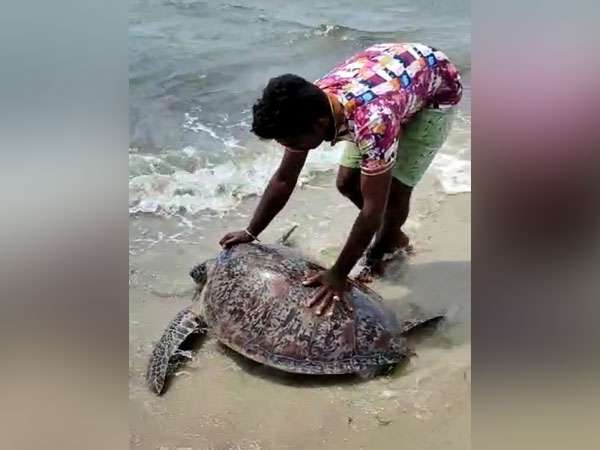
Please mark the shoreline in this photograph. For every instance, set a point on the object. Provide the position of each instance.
(219, 402)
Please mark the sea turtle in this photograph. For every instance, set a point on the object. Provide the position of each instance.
(252, 297)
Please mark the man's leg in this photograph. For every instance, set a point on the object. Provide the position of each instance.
(391, 237)
(348, 178)
(348, 184)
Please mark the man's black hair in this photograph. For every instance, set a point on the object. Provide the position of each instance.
(289, 106)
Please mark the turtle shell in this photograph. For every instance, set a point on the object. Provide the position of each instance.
(255, 303)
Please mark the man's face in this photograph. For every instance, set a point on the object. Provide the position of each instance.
(309, 140)
(305, 141)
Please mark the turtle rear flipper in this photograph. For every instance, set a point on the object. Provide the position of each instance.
(371, 372)
(167, 355)
(411, 327)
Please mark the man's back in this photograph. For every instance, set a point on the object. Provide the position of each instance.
(406, 77)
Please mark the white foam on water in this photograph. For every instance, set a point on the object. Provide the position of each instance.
(193, 123)
(185, 182)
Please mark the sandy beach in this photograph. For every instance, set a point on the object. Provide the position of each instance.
(221, 401)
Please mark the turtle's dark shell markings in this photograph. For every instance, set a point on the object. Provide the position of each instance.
(253, 300)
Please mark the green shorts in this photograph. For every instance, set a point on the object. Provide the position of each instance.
(420, 141)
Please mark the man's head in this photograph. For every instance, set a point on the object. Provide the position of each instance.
(294, 112)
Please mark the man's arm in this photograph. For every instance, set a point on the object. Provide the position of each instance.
(274, 198)
(278, 190)
(375, 190)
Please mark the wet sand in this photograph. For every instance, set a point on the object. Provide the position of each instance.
(221, 401)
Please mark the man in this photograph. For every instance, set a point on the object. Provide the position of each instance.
(393, 105)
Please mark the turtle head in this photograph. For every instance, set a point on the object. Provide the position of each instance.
(199, 273)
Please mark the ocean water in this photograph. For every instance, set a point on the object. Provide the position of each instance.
(196, 68)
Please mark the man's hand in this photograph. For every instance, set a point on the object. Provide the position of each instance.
(234, 238)
(331, 292)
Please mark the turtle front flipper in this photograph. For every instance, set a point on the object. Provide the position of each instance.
(167, 355)
(285, 239)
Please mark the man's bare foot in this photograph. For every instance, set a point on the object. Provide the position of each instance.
(386, 248)
(403, 244)
(376, 256)
(371, 271)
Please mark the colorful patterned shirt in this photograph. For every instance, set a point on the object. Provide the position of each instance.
(382, 88)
